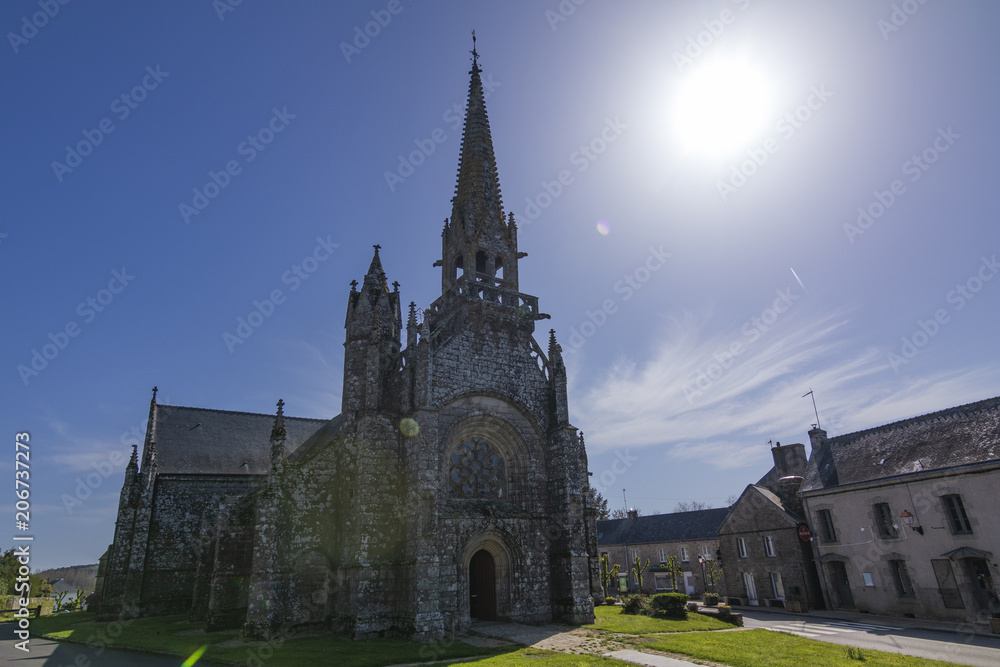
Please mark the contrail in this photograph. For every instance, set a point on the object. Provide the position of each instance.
(797, 278)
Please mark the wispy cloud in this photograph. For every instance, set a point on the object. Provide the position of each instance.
(746, 399)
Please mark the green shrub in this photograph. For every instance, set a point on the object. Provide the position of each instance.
(635, 604)
(670, 604)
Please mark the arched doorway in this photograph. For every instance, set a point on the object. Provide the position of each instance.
(482, 586)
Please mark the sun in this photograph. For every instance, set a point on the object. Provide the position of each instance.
(720, 107)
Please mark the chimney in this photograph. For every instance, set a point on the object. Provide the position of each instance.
(633, 515)
(789, 460)
(823, 457)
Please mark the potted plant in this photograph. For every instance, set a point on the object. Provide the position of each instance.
(710, 599)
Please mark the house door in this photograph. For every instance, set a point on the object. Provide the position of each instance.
(841, 584)
(751, 589)
(982, 583)
(482, 587)
(689, 583)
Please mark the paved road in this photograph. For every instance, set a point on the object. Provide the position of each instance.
(47, 653)
(978, 651)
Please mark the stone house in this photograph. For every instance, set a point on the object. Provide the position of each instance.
(905, 515)
(451, 487)
(690, 536)
(768, 556)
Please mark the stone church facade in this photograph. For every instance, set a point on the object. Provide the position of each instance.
(451, 487)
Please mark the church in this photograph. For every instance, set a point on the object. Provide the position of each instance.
(451, 487)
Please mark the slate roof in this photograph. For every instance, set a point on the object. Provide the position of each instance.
(221, 442)
(959, 436)
(675, 527)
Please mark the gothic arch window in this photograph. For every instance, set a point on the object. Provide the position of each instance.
(477, 471)
(480, 262)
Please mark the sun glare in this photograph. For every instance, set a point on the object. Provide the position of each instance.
(720, 107)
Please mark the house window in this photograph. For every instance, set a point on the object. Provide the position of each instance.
(883, 521)
(867, 576)
(663, 556)
(776, 587)
(957, 517)
(706, 552)
(663, 582)
(901, 578)
(741, 546)
(768, 546)
(827, 531)
(635, 554)
(684, 555)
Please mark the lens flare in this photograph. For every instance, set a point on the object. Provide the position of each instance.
(409, 427)
(603, 227)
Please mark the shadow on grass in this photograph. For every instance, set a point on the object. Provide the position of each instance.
(175, 635)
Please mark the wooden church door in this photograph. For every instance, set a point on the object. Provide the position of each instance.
(482, 587)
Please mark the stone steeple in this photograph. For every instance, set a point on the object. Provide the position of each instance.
(478, 242)
(373, 324)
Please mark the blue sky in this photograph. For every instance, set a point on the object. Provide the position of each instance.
(701, 277)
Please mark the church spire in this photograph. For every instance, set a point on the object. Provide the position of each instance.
(477, 241)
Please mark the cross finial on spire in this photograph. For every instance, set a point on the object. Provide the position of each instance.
(395, 284)
(154, 394)
(354, 285)
(377, 248)
(475, 56)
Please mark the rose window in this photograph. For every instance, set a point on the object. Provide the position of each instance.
(476, 471)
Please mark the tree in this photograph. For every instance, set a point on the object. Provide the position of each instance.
(623, 514)
(60, 598)
(608, 572)
(691, 506)
(9, 568)
(713, 573)
(638, 570)
(600, 503)
(731, 500)
(673, 566)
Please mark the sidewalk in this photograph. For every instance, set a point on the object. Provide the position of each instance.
(975, 628)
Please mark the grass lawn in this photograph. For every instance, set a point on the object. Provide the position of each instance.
(175, 635)
(531, 656)
(764, 648)
(611, 619)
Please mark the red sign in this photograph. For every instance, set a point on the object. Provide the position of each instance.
(804, 533)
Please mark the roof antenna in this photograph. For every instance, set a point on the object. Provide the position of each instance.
(814, 405)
